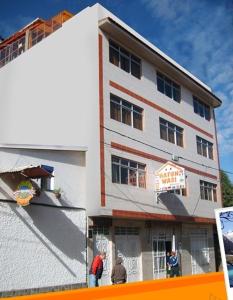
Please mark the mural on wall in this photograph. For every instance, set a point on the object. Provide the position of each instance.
(24, 193)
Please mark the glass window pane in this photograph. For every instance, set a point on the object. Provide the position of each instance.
(142, 167)
(141, 179)
(199, 149)
(210, 151)
(136, 69)
(160, 84)
(215, 194)
(115, 159)
(126, 115)
(207, 113)
(168, 90)
(201, 109)
(195, 106)
(115, 110)
(124, 60)
(204, 149)
(171, 136)
(133, 177)
(137, 120)
(114, 56)
(115, 173)
(202, 193)
(124, 162)
(163, 132)
(179, 139)
(136, 59)
(124, 175)
(133, 164)
(176, 94)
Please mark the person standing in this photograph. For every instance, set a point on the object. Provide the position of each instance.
(96, 269)
(173, 262)
(119, 275)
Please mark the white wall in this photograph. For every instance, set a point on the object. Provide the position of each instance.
(125, 197)
(49, 94)
(48, 242)
(41, 247)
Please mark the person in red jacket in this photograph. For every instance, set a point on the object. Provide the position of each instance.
(96, 269)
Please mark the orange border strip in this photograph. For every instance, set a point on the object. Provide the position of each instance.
(160, 217)
(206, 286)
(157, 107)
(157, 158)
(101, 118)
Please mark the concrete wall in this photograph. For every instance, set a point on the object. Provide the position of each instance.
(187, 231)
(139, 199)
(49, 94)
(41, 247)
(48, 242)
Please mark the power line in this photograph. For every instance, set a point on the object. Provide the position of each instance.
(164, 151)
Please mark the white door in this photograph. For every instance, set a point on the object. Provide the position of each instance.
(128, 247)
(102, 243)
(199, 252)
(159, 258)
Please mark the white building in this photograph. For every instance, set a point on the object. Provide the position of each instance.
(105, 109)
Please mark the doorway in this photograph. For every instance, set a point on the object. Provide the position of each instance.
(160, 247)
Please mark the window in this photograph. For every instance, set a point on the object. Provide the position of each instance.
(124, 59)
(204, 148)
(47, 183)
(168, 87)
(208, 191)
(129, 172)
(126, 230)
(171, 133)
(201, 108)
(182, 192)
(125, 112)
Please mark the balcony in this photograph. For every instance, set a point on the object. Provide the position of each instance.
(29, 36)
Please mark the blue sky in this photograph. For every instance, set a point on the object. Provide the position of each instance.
(197, 34)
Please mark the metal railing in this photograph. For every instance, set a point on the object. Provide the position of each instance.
(29, 38)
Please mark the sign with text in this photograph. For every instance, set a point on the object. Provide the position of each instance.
(169, 177)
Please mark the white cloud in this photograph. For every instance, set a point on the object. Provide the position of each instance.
(198, 35)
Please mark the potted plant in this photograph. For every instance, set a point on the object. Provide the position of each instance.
(57, 193)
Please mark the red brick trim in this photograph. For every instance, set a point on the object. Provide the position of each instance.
(159, 159)
(101, 118)
(160, 217)
(157, 107)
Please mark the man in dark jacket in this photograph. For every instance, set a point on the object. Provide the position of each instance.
(96, 269)
(118, 272)
(173, 262)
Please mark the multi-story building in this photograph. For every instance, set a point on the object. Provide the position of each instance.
(104, 109)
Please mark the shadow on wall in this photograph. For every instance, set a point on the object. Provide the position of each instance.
(57, 229)
(70, 157)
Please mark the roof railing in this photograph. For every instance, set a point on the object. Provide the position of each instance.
(30, 36)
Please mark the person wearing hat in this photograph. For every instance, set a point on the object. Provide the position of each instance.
(96, 269)
(173, 262)
(119, 275)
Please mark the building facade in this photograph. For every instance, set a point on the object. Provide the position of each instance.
(115, 109)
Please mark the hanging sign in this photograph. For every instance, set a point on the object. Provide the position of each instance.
(24, 193)
(169, 177)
